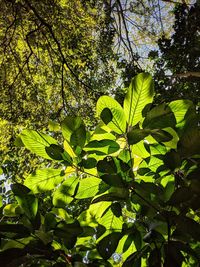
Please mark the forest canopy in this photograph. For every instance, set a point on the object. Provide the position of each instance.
(99, 133)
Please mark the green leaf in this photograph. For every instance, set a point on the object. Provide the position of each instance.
(107, 246)
(44, 180)
(50, 221)
(107, 165)
(88, 187)
(68, 232)
(113, 194)
(172, 160)
(20, 189)
(140, 93)
(179, 108)
(112, 114)
(134, 260)
(181, 195)
(136, 135)
(113, 180)
(88, 163)
(116, 209)
(106, 115)
(103, 147)
(29, 203)
(54, 152)
(161, 135)
(37, 142)
(159, 117)
(70, 125)
(78, 137)
(110, 221)
(188, 226)
(64, 194)
(12, 210)
(189, 143)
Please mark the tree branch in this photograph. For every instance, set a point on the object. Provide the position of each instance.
(49, 27)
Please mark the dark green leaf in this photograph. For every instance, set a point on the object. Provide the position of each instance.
(159, 117)
(116, 209)
(161, 135)
(88, 163)
(107, 246)
(107, 166)
(19, 189)
(54, 151)
(182, 194)
(106, 115)
(136, 135)
(113, 180)
(78, 137)
(172, 160)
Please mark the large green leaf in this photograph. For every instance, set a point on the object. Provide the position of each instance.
(139, 94)
(88, 187)
(179, 108)
(159, 117)
(44, 180)
(112, 114)
(63, 195)
(37, 142)
(110, 221)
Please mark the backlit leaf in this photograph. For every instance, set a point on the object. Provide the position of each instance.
(139, 94)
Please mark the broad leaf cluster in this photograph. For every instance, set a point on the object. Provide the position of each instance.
(125, 194)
